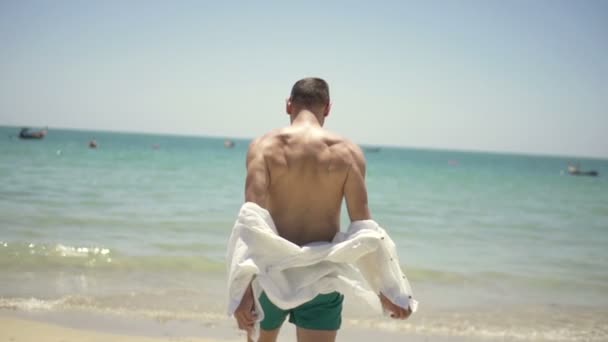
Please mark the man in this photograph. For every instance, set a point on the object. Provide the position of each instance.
(300, 174)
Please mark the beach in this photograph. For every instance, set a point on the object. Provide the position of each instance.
(37, 329)
(127, 241)
(79, 327)
(19, 330)
(33, 331)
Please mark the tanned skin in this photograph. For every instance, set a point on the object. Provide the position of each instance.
(300, 174)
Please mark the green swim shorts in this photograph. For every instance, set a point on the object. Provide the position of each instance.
(324, 312)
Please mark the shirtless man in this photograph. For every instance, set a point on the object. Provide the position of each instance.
(300, 174)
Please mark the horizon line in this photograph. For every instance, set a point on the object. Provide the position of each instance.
(410, 147)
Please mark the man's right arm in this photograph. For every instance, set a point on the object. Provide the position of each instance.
(256, 191)
(256, 183)
(355, 190)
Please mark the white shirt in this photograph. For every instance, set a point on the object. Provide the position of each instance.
(361, 262)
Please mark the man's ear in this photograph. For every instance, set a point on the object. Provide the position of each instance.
(288, 106)
(327, 110)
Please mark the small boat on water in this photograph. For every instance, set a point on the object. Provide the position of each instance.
(26, 133)
(372, 149)
(229, 143)
(574, 170)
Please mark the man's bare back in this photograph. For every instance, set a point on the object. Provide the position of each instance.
(307, 168)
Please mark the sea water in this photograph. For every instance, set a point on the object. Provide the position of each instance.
(494, 245)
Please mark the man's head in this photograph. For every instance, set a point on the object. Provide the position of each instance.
(311, 94)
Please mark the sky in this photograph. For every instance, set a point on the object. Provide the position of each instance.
(505, 76)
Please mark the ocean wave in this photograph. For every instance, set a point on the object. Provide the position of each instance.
(31, 256)
(168, 257)
(99, 305)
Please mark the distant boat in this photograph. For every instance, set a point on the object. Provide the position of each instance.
(372, 149)
(574, 170)
(229, 143)
(93, 144)
(26, 133)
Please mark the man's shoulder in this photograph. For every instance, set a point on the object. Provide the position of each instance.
(265, 141)
(269, 137)
(279, 137)
(344, 144)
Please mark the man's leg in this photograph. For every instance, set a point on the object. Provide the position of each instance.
(267, 335)
(308, 335)
(273, 319)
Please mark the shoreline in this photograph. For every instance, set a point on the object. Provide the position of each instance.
(28, 327)
(67, 325)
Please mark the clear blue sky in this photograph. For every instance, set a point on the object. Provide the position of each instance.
(509, 76)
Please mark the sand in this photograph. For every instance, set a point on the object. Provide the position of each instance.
(19, 329)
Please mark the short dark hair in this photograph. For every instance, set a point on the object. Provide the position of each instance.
(310, 92)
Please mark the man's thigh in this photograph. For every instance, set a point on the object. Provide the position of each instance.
(308, 335)
(268, 335)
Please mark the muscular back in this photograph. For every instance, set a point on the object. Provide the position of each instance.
(300, 175)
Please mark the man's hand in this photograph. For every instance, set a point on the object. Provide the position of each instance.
(397, 312)
(244, 313)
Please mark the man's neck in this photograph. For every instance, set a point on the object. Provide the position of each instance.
(306, 117)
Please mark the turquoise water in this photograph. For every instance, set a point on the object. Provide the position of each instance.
(148, 216)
